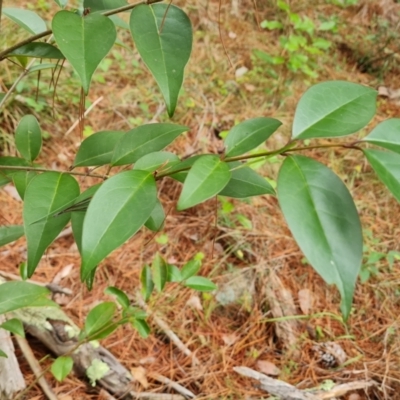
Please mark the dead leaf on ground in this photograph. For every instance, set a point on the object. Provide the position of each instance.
(268, 368)
(305, 300)
(139, 373)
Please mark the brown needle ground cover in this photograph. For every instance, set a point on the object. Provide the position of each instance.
(223, 336)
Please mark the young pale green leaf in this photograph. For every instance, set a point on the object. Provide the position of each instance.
(156, 219)
(173, 273)
(97, 149)
(121, 296)
(99, 319)
(84, 41)
(61, 367)
(147, 282)
(2, 354)
(200, 283)
(190, 268)
(331, 109)
(10, 233)
(38, 50)
(15, 295)
(151, 162)
(142, 327)
(207, 177)
(14, 325)
(117, 211)
(145, 139)
(245, 182)
(26, 19)
(159, 272)
(163, 37)
(386, 134)
(45, 194)
(103, 5)
(324, 221)
(21, 180)
(386, 164)
(28, 137)
(249, 134)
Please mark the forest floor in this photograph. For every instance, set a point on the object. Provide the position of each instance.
(248, 249)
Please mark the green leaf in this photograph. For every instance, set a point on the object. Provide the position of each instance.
(121, 296)
(332, 109)
(41, 67)
(84, 41)
(99, 320)
(163, 37)
(117, 211)
(46, 193)
(103, 5)
(26, 19)
(21, 180)
(200, 283)
(147, 282)
(386, 134)
(38, 50)
(15, 295)
(142, 327)
(7, 174)
(159, 272)
(190, 268)
(245, 182)
(61, 367)
(2, 354)
(249, 134)
(151, 162)
(387, 166)
(207, 177)
(14, 325)
(157, 218)
(145, 139)
(28, 137)
(184, 165)
(324, 221)
(173, 273)
(10, 233)
(97, 149)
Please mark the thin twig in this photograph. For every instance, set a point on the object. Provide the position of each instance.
(174, 385)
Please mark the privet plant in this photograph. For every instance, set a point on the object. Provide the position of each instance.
(316, 204)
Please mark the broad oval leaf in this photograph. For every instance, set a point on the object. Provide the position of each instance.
(45, 194)
(38, 50)
(84, 41)
(324, 221)
(103, 5)
(61, 367)
(157, 218)
(200, 283)
(180, 170)
(10, 233)
(145, 139)
(7, 174)
(97, 149)
(14, 325)
(249, 134)
(28, 137)
(163, 37)
(21, 181)
(121, 296)
(331, 109)
(245, 182)
(99, 319)
(386, 164)
(117, 211)
(386, 134)
(159, 271)
(26, 19)
(162, 160)
(191, 268)
(207, 177)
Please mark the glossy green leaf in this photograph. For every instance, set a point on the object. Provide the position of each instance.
(159, 272)
(21, 180)
(386, 134)
(163, 36)
(23, 271)
(26, 19)
(386, 164)
(145, 139)
(331, 109)
(14, 325)
(99, 319)
(180, 170)
(173, 273)
(245, 182)
(324, 221)
(61, 367)
(200, 283)
(207, 177)
(38, 50)
(84, 41)
(46, 193)
(142, 327)
(117, 211)
(15, 295)
(190, 268)
(160, 160)
(103, 5)
(7, 174)
(157, 218)
(10, 233)
(28, 137)
(41, 67)
(147, 282)
(97, 149)
(121, 296)
(249, 134)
